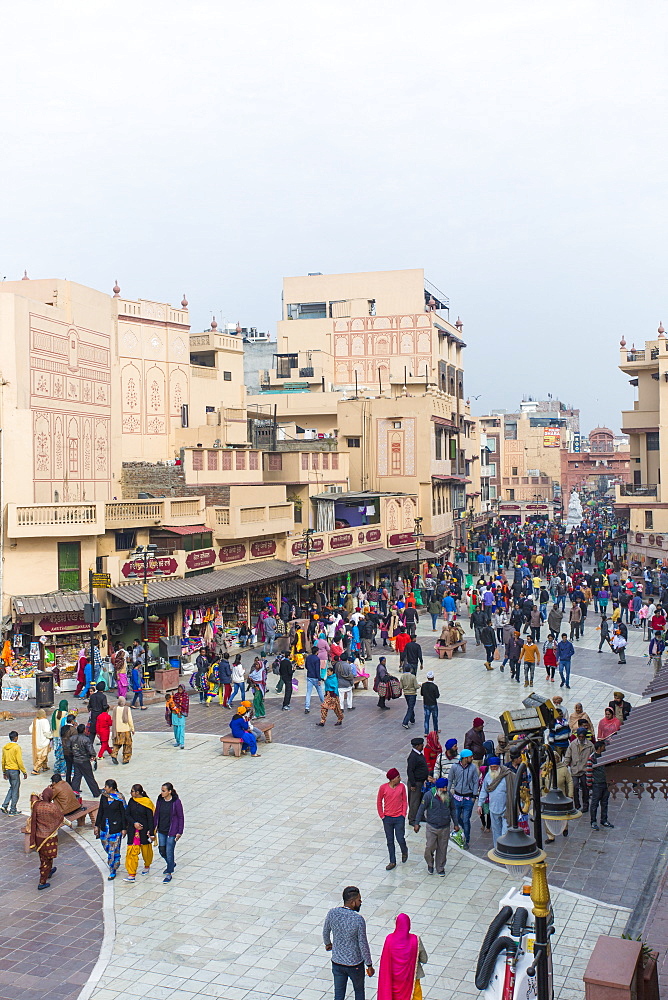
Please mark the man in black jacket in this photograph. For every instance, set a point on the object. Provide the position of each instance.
(411, 656)
(411, 618)
(285, 671)
(479, 619)
(488, 640)
(82, 755)
(417, 773)
(97, 704)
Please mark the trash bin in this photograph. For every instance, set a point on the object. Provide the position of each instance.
(44, 690)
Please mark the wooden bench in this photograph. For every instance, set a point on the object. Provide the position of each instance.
(234, 744)
(445, 652)
(78, 817)
(364, 681)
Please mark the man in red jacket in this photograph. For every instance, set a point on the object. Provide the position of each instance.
(392, 805)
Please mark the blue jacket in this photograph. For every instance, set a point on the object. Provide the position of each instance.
(565, 649)
(135, 679)
(313, 666)
(239, 726)
(448, 603)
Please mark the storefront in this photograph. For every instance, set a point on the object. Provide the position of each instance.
(48, 631)
(214, 605)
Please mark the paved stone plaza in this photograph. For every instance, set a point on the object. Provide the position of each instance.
(269, 844)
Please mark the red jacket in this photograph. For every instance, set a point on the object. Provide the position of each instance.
(103, 726)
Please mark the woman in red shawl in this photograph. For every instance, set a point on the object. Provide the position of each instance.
(432, 750)
(401, 962)
(45, 821)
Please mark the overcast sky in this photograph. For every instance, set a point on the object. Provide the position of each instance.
(515, 150)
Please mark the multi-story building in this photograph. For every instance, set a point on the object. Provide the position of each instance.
(642, 499)
(523, 452)
(595, 462)
(373, 360)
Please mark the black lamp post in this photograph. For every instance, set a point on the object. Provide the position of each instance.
(147, 555)
(419, 535)
(307, 541)
(519, 851)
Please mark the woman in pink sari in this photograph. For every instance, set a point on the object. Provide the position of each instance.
(400, 968)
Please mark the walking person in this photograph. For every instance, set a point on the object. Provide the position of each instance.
(463, 784)
(58, 719)
(575, 619)
(437, 810)
(345, 677)
(12, 769)
(136, 683)
(202, 667)
(575, 758)
(488, 640)
(381, 684)
(67, 731)
(83, 754)
(530, 655)
(103, 726)
(331, 700)
(45, 820)
(495, 792)
(285, 669)
(122, 729)
(655, 651)
(141, 832)
(565, 653)
(344, 935)
(605, 632)
(417, 772)
(40, 731)
(238, 678)
(618, 644)
(410, 688)
(111, 825)
(598, 787)
(181, 710)
(434, 610)
(392, 805)
(168, 822)
(97, 704)
(313, 680)
(550, 657)
(430, 695)
(401, 963)
(513, 653)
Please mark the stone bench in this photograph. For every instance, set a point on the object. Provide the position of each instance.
(78, 817)
(445, 652)
(364, 681)
(234, 744)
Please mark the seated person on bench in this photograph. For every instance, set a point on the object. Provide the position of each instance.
(250, 715)
(64, 796)
(241, 729)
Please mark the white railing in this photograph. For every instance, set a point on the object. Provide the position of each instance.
(185, 508)
(248, 514)
(133, 511)
(55, 514)
(222, 515)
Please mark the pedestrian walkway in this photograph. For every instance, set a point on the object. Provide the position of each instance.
(268, 847)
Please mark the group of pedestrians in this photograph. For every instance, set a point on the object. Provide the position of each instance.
(136, 820)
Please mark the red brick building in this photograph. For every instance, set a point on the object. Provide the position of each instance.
(597, 460)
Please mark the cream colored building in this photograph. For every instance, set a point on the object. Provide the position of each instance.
(374, 360)
(647, 428)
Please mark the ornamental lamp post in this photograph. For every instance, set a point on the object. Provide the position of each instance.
(147, 556)
(419, 535)
(522, 853)
(307, 536)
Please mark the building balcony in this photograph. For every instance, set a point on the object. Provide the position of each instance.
(251, 522)
(314, 466)
(639, 421)
(639, 491)
(85, 519)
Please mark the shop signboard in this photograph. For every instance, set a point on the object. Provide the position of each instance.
(101, 580)
(373, 535)
(536, 506)
(551, 437)
(403, 538)
(299, 548)
(165, 565)
(200, 558)
(232, 553)
(66, 621)
(341, 541)
(259, 550)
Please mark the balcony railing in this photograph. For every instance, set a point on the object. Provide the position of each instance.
(637, 490)
(127, 513)
(56, 514)
(635, 355)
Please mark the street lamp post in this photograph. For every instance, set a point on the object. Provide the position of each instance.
(307, 536)
(147, 555)
(519, 851)
(470, 523)
(419, 535)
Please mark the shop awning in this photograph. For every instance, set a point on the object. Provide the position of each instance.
(644, 734)
(59, 600)
(190, 529)
(321, 569)
(208, 585)
(658, 686)
(410, 555)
